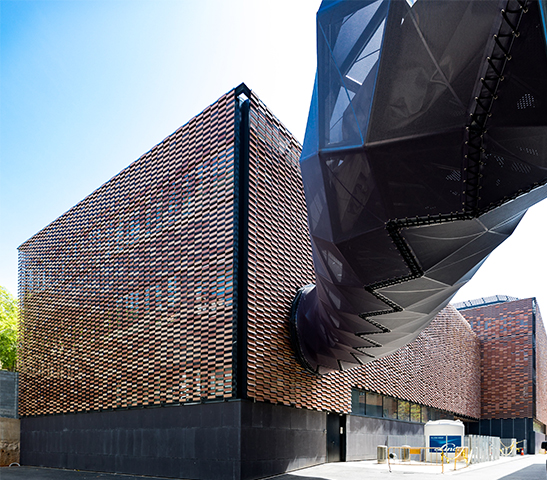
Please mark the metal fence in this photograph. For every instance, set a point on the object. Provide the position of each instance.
(432, 456)
(480, 449)
(8, 394)
(483, 448)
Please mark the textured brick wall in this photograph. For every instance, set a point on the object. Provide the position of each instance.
(505, 331)
(127, 297)
(440, 368)
(541, 369)
(279, 256)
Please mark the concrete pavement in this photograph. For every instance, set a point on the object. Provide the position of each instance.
(529, 467)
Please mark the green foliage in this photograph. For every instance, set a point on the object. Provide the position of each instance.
(9, 313)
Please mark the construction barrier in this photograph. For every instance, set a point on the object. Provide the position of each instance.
(407, 455)
(508, 447)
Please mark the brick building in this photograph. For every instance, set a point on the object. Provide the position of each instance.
(513, 347)
(155, 333)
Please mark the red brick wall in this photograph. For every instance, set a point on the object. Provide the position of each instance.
(541, 369)
(439, 369)
(279, 256)
(506, 335)
(128, 297)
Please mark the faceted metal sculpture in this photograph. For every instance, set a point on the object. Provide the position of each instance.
(426, 143)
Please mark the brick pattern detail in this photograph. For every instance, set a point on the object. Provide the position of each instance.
(127, 297)
(439, 369)
(541, 369)
(279, 259)
(506, 334)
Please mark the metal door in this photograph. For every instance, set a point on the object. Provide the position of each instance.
(336, 437)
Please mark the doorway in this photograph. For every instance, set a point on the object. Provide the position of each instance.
(336, 437)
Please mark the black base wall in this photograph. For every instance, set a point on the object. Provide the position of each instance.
(237, 440)
(276, 439)
(519, 428)
(197, 441)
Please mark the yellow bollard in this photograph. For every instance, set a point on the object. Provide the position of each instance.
(442, 461)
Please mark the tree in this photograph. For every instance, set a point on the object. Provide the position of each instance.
(9, 313)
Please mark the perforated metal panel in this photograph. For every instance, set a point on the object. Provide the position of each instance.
(425, 147)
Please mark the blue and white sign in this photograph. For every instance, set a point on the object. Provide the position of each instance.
(445, 443)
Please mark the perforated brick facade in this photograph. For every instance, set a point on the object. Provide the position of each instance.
(541, 369)
(127, 298)
(172, 284)
(279, 259)
(439, 369)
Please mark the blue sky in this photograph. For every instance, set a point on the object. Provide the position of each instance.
(87, 86)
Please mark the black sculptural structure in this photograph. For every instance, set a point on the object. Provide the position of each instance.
(426, 143)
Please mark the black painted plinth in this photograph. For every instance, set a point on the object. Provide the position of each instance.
(519, 428)
(237, 440)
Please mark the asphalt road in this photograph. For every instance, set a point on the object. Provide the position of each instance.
(529, 467)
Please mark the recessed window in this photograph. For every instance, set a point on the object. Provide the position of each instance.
(390, 407)
(372, 404)
(415, 412)
(404, 410)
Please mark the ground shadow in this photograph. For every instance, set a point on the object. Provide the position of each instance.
(44, 473)
(533, 472)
